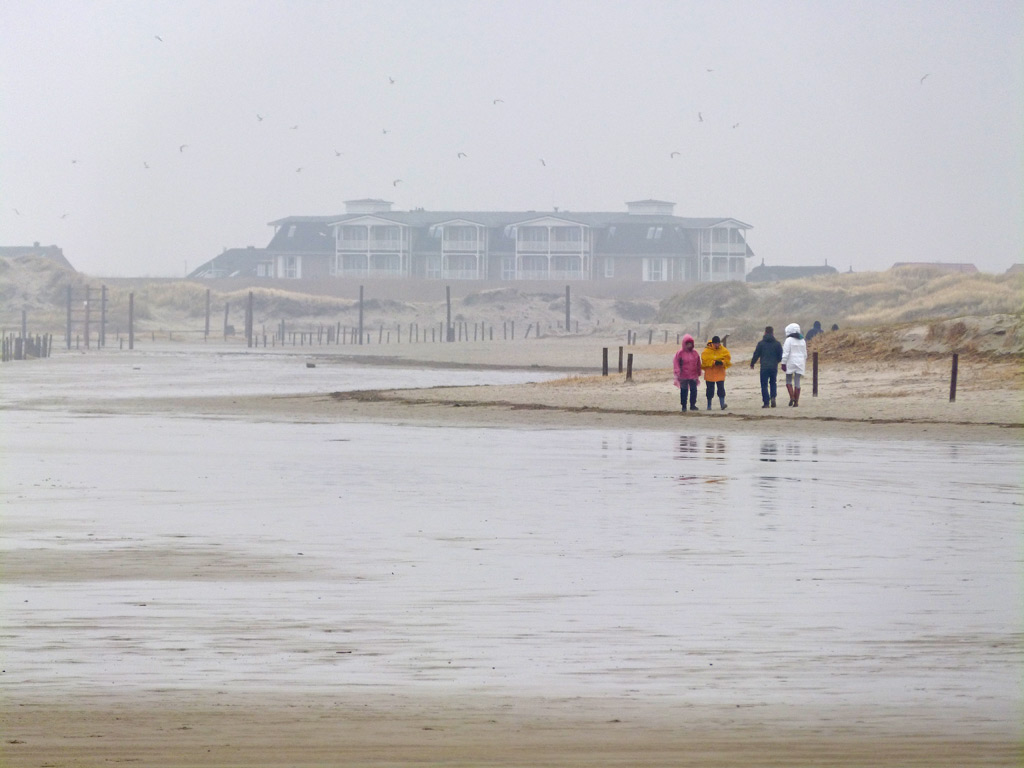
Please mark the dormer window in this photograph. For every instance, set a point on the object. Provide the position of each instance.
(654, 233)
(291, 231)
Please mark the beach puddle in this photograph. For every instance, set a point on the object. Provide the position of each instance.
(145, 552)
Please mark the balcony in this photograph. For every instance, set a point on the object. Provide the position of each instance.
(462, 245)
(369, 245)
(724, 249)
(461, 274)
(549, 274)
(364, 272)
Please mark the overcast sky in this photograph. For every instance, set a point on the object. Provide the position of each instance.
(863, 133)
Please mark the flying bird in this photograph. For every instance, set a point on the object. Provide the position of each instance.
(923, 78)
(672, 154)
(158, 38)
(542, 162)
(700, 118)
(64, 215)
(259, 117)
(396, 182)
(298, 170)
(74, 162)
(498, 101)
(735, 125)
(385, 131)
(294, 128)
(182, 147)
(708, 70)
(145, 164)
(338, 154)
(461, 155)
(16, 211)
(391, 80)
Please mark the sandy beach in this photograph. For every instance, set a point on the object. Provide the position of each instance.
(168, 723)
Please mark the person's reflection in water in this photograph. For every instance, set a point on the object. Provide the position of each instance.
(769, 450)
(687, 447)
(714, 447)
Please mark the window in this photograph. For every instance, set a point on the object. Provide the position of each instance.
(655, 270)
(566, 235)
(654, 233)
(609, 267)
(292, 267)
(508, 268)
(433, 267)
(265, 269)
(291, 231)
(353, 233)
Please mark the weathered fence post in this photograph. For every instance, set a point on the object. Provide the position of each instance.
(87, 297)
(620, 359)
(814, 371)
(249, 322)
(360, 314)
(629, 367)
(450, 334)
(567, 309)
(131, 321)
(952, 378)
(102, 340)
(206, 331)
(24, 323)
(227, 306)
(67, 332)
(604, 361)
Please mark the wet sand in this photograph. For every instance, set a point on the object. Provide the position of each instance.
(168, 724)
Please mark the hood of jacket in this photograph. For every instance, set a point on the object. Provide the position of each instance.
(793, 328)
(688, 338)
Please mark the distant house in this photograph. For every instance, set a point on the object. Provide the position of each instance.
(945, 266)
(1015, 269)
(647, 243)
(51, 252)
(766, 274)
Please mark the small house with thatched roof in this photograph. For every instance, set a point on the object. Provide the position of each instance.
(51, 252)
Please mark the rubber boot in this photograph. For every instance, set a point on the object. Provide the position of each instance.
(796, 396)
(721, 401)
(792, 399)
(709, 403)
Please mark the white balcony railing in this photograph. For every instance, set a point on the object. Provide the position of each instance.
(461, 274)
(369, 245)
(724, 249)
(353, 245)
(462, 245)
(566, 246)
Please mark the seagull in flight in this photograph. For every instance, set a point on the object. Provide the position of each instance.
(542, 162)
(16, 211)
(74, 162)
(396, 182)
(294, 128)
(64, 215)
(391, 80)
(338, 154)
(700, 118)
(259, 117)
(385, 131)
(461, 155)
(498, 101)
(923, 78)
(735, 125)
(183, 147)
(145, 164)
(298, 170)
(672, 154)
(158, 38)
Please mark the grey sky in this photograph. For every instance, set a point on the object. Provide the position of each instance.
(839, 149)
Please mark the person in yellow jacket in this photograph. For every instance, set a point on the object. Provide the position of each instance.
(713, 361)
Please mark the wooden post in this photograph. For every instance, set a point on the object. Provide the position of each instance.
(131, 321)
(448, 316)
(249, 322)
(227, 306)
(360, 314)
(513, 329)
(629, 367)
(698, 332)
(814, 374)
(666, 337)
(620, 359)
(952, 378)
(604, 361)
(24, 323)
(650, 337)
(206, 328)
(88, 297)
(102, 341)
(67, 332)
(567, 309)
(380, 336)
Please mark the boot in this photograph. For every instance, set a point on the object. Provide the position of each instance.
(789, 388)
(709, 403)
(773, 402)
(796, 396)
(721, 400)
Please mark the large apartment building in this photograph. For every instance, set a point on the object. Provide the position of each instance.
(647, 243)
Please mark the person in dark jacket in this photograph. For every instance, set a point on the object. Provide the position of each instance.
(769, 352)
(815, 330)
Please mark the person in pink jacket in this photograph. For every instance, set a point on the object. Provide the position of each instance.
(686, 367)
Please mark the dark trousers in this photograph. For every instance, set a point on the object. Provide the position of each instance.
(688, 386)
(768, 380)
(711, 389)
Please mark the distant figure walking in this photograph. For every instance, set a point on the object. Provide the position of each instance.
(794, 358)
(714, 360)
(686, 366)
(769, 352)
(815, 330)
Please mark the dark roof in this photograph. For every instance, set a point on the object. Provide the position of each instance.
(766, 274)
(312, 235)
(419, 218)
(51, 252)
(1015, 269)
(234, 262)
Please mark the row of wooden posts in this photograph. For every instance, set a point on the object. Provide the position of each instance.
(814, 370)
(15, 347)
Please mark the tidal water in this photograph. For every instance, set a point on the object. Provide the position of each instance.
(148, 552)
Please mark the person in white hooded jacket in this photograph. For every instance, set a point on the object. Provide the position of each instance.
(794, 358)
